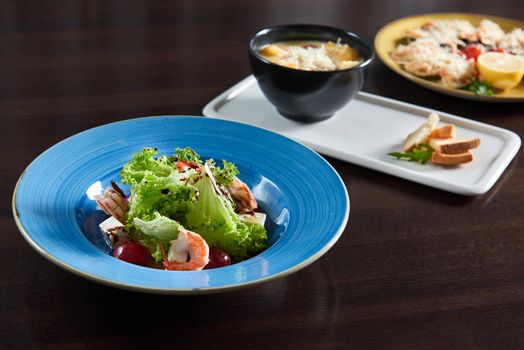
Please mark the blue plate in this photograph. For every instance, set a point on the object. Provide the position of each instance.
(306, 201)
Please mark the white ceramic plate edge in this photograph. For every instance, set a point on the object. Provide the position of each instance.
(170, 291)
(512, 143)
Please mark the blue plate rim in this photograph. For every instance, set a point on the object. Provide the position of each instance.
(176, 291)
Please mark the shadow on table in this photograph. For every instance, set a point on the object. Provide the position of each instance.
(77, 309)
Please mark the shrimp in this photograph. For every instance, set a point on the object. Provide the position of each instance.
(112, 202)
(243, 197)
(457, 71)
(417, 33)
(490, 32)
(185, 165)
(420, 57)
(514, 42)
(445, 31)
(187, 243)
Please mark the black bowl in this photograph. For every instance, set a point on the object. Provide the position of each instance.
(308, 96)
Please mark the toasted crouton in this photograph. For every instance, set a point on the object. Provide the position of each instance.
(454, 145)
(446, 132)
(273, 51)
(451, 159)
(421, 134)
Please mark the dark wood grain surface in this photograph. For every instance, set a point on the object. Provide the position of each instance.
(416, 268)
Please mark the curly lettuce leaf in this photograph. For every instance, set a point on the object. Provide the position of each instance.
(211, 211)
(162, 198)
(161, 227)
(255, 237)
(225, 174)
(213, 217)
(170, 196)
(144, 163)
(186, 154)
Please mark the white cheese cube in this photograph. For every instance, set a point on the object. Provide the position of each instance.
(113, 231)
(111, 225)
(254, 218)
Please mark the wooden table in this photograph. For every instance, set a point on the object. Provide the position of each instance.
(416, 268)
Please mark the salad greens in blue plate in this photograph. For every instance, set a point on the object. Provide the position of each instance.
(167, 195)
(170, 195)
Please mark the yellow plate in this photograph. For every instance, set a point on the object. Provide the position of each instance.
(386, 38)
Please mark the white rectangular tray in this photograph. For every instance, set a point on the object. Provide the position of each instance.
(369, 127)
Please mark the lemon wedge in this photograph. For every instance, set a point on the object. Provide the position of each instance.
(500, 70)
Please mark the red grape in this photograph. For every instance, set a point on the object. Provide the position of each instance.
(217, 258)
(133, 253)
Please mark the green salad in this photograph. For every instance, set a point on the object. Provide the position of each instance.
(186, 213)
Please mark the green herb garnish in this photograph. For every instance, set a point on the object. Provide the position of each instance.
(421, 154)
(479, 88)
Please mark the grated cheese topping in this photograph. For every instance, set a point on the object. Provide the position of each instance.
(514, 42)
(426, 58)
(310, 58)
(437, 49)
(323, 57)
(445, 31)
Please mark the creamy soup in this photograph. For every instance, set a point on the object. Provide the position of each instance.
(311, 55)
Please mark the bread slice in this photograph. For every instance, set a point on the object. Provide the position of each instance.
(454, 145)
(451, 159)
(421, 134)
(446, 132)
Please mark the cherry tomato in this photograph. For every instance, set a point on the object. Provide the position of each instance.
(217, 258)
(473, 51)
(133, 253)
